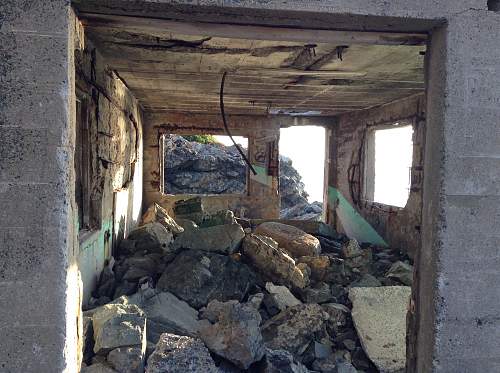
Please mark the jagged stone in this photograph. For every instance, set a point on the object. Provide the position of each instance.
(166, 314)
(235, 335)
(118, 325)
(318, 265)
(151, 237)
(379, 315)
(156, 213)
(224, 239)
(294, 328)
(367, 281)
(355, 256)
(402, 272)
(222, 217)
(127, 359)
(282, 297)
(317, 293)
(282, 361)
(175, 353)
(338, 316)
(98, 368)
(272, 263)
(256, 300)
(294, 241)
(198, 277)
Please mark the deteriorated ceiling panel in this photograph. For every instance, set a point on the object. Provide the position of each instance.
(170, 71)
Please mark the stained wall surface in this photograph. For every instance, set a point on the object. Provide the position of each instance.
(400, 227)
(114, 120)
(261, 199)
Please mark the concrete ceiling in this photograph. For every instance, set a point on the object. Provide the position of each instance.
(174, 69)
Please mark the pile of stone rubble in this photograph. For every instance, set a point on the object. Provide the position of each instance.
(212, 293)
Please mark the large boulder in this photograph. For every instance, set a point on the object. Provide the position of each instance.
(118, 325)
(379, 315)
(235, 334)
(273, 263)
(224, 239)
(174, 354)
(293, 329)
(151, 237)
(166, 314)
(294, 241)
(198, 277)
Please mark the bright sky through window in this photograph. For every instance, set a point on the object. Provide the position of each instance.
(393, 159)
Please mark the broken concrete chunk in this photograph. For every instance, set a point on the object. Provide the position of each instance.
(402, 272)
(271, 262)
(294, 328)
(198, 277)
(118, 325)
(224, 239)
(166, 313)
(235, 335)
(152, 238)
(175, 353)
(283, 298)
(294, 241)
(379, 315)
(127, 359)
(282, 361)
(156, 213)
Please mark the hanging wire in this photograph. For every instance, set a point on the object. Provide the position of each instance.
(221, 100)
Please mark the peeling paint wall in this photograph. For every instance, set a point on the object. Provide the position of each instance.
(261, 199)
(115, 132)
(401, 228)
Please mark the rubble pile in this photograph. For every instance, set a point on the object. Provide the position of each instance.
(211, 293)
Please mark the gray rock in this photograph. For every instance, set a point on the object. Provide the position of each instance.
(235, 335)
(294, 241)
(272, 263)
(282, 361)
(294, 328)
(156, 213)
(256, 300)
(222, 217)
(198, 277)
(367, 281)
(175, 354)
(318, 293)
(402, 272)
(166, 314)
(127, 359)
(98, 368)
(283, 298)
(152, 237)
(338, 316)
(355, 256)
(118, 325)
(379, 315)
(224, 239)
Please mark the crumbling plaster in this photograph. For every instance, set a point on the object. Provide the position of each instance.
(115, 132)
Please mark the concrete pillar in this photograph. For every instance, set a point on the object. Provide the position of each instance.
(39, 287)
(459, 289)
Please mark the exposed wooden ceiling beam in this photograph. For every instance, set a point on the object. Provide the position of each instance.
(253, 32)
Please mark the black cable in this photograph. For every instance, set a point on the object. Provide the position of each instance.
(221, 99)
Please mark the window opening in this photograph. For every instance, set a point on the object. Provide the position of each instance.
(203, 164)
(388, 162)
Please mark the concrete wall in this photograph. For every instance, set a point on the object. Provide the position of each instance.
(400, 227)
(261, 199)
(115, 129)
(39, 284)
(458, 293)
